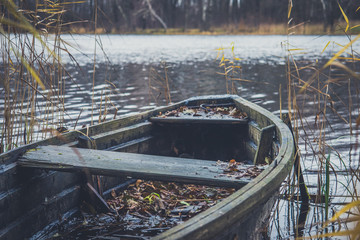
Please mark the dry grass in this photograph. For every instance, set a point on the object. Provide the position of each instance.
(33, 77)
(321, 90)
(31, 70)
(159, 86)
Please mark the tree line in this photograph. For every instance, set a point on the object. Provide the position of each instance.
(129, 15)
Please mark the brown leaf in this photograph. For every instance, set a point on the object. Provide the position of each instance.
(113, 193)
(137, 184)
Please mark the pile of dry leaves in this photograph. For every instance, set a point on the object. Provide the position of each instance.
(147, 208)
(170, 202)
(204, 111)
(142, 210)
(237, 170)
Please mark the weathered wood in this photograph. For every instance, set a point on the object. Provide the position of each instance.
(40, 216)
(200, 120)
(129, 120)
(86, 142)
(71, 144)
(209, 100)
(108, 139)
(96, 200)
(252, 111)
(250, 227)
(264, 146)
(129, 164)
(254, 132)
(139, 145)
(8, 177)
(206, 225)
(14, 181)
(250, 150)
(33, 192)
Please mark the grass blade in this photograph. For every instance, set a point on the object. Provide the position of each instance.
(341, 51)
(327, 186)
(325, 47)
(290, 8)
(345, 17)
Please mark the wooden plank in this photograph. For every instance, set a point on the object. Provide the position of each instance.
(200, 120)
(265, 144)
(138, 145)
(254, 112)
(209, 100)
(254, 132)
(32, 193)
(8, 176)
(129, 164)
(250, 150)
(40, 216)
(108, 139)
(127, 120)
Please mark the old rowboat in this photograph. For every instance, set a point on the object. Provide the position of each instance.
(41, 183)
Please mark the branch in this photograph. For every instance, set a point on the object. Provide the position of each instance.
(155, 15)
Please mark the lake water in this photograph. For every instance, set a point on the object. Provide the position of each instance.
(126, 65)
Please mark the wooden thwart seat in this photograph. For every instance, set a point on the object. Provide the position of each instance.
(133, 165)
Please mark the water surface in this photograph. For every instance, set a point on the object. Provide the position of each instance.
(123, 75)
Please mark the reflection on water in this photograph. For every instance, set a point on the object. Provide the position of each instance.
(122, 79)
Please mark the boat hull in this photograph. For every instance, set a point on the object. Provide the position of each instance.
(33, 199)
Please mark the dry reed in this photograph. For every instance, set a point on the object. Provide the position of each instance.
(33, 77)
(319, 96)
(159, 86)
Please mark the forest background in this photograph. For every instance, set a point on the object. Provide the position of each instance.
(193, 17)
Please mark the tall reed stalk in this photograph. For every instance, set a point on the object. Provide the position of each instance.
(232, 71)
(33, 78)
(317, 96)
(159, 86)
(31, 70)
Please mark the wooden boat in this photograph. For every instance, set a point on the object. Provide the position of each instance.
(37, 187)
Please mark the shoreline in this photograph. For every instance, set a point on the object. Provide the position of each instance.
(240, 29)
